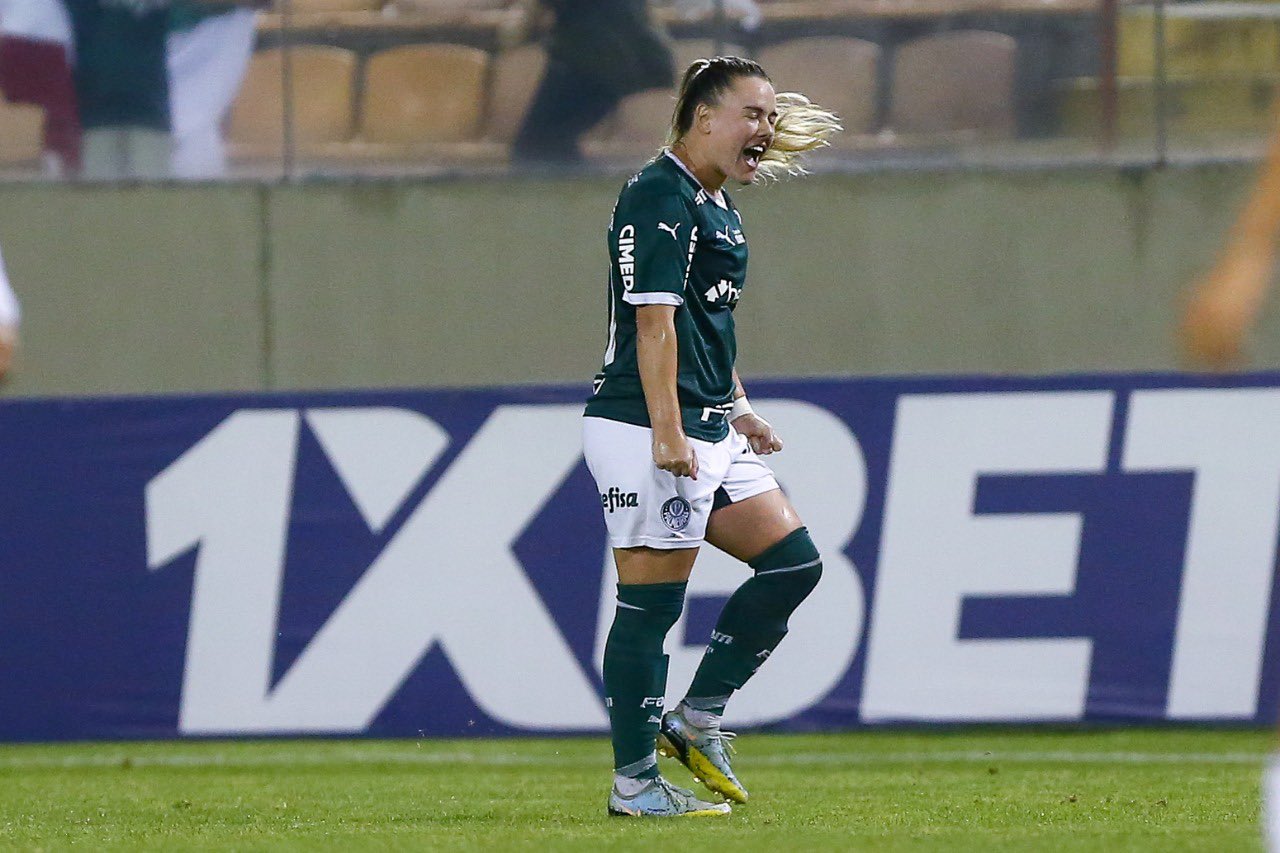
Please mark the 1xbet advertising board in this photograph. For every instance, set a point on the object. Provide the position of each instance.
(1097, 548)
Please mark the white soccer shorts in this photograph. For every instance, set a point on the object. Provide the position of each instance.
(646, 506)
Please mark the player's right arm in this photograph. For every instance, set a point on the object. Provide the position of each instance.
(657, 358)
(655, 238)
(1225, 303)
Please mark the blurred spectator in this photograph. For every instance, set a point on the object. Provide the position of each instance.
(209, 48)
(9, 317)
(599, 51)
(122, 84)
(35, 68)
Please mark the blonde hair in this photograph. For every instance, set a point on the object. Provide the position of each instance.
(802, 126)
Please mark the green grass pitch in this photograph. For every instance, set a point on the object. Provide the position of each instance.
(971, 789)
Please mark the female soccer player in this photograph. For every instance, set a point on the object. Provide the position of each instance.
(672, 442)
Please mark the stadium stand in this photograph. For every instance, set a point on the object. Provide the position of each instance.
(956, 81)
(879, 63)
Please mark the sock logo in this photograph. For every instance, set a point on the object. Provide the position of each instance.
(676, 513)
(717, 637)
(655, 701)
(615, 498)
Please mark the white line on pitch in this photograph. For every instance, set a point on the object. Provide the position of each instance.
(123, 759)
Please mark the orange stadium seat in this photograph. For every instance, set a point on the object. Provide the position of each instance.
(423, 94)
(515, 77)
(21, 127)
(958, 81)
(322, 85)
(638, 126)
(836, 72)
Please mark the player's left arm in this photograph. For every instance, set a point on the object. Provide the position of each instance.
(756, 430)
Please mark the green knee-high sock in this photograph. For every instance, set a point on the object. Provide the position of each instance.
(754, 620)
(635, 672)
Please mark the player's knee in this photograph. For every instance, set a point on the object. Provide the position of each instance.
(646, 612)
(663, 619)
(792, 567)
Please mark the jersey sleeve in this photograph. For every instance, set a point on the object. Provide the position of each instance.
(654, 236)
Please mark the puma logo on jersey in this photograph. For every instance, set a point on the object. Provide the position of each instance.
(672, 229)
(724, 288)
(731, 237)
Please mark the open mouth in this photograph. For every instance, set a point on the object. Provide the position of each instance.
(753, 153)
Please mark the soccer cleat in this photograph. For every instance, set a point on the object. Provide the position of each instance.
(662, 799)
(703, 751)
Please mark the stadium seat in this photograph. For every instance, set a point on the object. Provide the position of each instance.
(838, 73)
(514, 79)
(638, 127)
(423, 94)
(957, 81)
(20, 134)
(322, 86)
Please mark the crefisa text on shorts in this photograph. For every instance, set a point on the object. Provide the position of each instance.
(616, 499)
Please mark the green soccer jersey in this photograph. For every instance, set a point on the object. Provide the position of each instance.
(672, 243)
